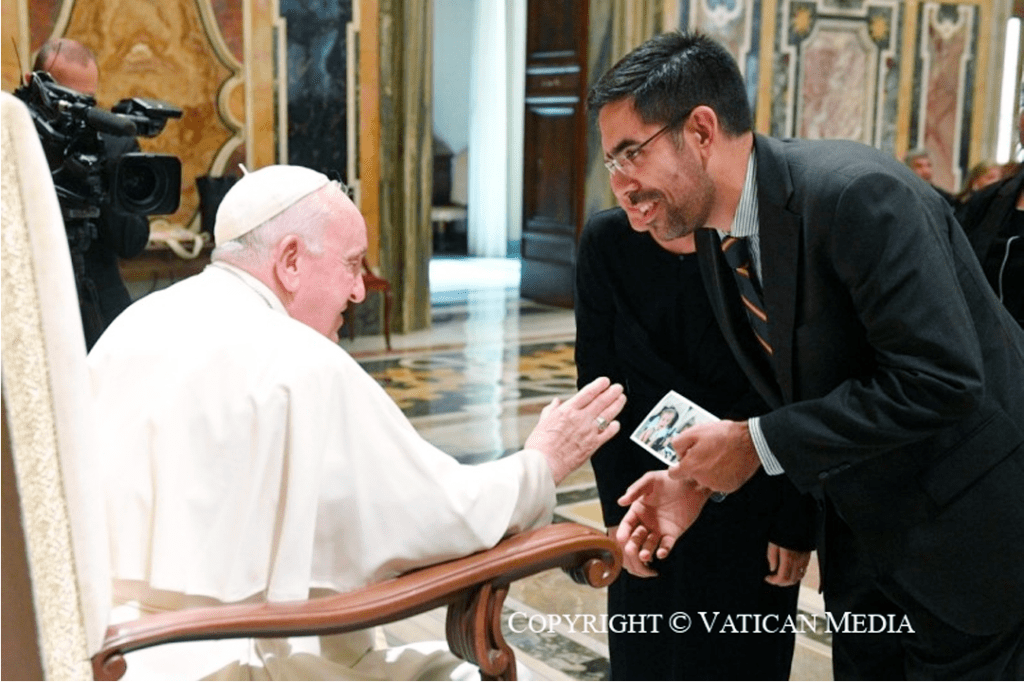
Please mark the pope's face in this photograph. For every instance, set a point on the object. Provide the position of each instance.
(333, 278)
(665, 189)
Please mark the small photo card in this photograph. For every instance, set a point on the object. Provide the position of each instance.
(670, 416)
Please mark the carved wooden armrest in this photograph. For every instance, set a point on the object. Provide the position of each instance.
(473, 587)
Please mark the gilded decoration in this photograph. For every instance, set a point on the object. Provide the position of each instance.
(878, 26)
(802, 20)
(405, 157)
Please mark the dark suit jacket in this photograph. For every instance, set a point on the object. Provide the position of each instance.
(897, 378)
(995, 229)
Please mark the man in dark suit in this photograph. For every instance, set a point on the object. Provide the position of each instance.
(102, 294)
(859, 312)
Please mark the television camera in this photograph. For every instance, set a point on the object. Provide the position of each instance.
(85, 149)
(71, 129)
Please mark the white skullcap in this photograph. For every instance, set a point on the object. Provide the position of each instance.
(261, 195)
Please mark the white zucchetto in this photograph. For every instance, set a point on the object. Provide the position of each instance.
(261, 195)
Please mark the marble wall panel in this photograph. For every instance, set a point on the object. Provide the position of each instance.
(944, 82)
(317, 59)
(836, 71)
(837, 85)
(229, 19)
(42, 17)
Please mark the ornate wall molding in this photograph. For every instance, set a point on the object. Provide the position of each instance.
(734, 23)
(836, 74)
(893, 74)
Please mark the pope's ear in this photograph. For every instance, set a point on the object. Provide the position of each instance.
(286, 262)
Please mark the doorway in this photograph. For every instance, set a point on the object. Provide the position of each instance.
(479, 48)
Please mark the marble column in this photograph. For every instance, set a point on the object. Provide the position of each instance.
(406, 156)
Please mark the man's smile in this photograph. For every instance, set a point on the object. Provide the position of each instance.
(641, 206)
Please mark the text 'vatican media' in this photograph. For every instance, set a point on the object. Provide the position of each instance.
(714, 622)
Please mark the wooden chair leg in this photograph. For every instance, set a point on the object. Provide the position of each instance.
(473, 627)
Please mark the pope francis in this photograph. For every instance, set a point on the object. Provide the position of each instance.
(250, 458)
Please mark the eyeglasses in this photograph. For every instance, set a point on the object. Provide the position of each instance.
(624, 159)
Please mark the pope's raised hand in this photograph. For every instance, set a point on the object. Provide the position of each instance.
(569, 432)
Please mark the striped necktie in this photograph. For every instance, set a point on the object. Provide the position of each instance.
(738, 257)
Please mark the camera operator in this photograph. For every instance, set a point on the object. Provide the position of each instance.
(102, 292)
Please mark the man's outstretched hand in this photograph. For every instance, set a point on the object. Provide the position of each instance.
(661, 509)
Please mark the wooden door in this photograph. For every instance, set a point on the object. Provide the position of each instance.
(554, 147)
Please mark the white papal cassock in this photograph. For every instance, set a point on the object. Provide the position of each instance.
(250, 458)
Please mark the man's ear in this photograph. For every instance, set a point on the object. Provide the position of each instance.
(703, 124)
(286, 262)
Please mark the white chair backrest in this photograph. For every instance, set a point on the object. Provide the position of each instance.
(48, 409)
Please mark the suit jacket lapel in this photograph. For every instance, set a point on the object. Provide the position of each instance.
(724, 297)
(780, 257)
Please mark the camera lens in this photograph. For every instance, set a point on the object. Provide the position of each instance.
(140, 186)
(147, 184)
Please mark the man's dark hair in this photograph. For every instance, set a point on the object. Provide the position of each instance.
(72, 50)
(671, 74)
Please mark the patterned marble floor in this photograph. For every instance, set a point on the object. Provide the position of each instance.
(473, 384)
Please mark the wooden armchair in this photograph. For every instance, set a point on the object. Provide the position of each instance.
(61, 572)
(473, 588)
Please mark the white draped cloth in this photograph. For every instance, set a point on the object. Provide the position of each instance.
(250, 458)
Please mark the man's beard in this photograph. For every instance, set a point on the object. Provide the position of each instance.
(679, 220)
(682, 223)
(693, 208)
